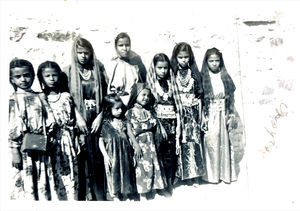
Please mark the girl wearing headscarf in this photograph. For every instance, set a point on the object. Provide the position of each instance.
(87, 85)
(168, 108)
(220, 119)
(125, 69)
(141, 126)
(188, 81)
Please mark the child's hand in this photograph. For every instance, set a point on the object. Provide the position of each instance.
(81, 124)
(232, 123)
(107, 161)
(204, 124)
(96, 124)
(138, 152)
(16, 158)
(164, 133)
(178, 148)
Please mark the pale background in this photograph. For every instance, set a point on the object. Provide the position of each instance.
(262, 59)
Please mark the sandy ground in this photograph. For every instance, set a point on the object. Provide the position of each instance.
(258, 41)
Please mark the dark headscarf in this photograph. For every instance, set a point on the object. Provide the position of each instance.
(229, 86)
(135, 91)
(182, 46)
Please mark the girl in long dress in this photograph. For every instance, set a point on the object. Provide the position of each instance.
(117, 151)
(63, 152)
(167, 111)
(220, 119)
(28, 110)
(141, 125)
(87, 84)
(189, 83)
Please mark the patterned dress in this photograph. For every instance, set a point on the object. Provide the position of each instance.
(120, 176)
(190, 162)
(34, 181)
(148, 172)
(63, 154)
(166, 115)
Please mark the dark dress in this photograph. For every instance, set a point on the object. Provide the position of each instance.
(91, 157)
(120, 176)
(166, 115)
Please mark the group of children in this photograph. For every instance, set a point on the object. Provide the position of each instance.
(123, 132)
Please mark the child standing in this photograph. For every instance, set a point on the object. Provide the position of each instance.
(141, 125)
(116, 150)
(87, 84)
(162, 83)
(27, 114)
(221, 119)
(125, 69)
(63, 155)
(189, 85)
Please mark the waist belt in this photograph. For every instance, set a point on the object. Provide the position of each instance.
(165, 111)
(89, 104)
(217, 104)
(188, 99)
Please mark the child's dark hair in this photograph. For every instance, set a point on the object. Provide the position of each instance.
(161, 57)
(20, 63)
(121, 36)
(84, 43)
(109, 101)
(214, 51)
(182, 46)
(62, 82)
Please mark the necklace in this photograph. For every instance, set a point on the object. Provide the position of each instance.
(184, 79)
(186, 83)
(53, 98)
(141, 114)
(86, 75)
(160, 91)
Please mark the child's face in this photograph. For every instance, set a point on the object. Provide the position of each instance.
(183, 58)
(161, 69)
(213, 62)
(83, 55)
(116, 110)
(143, 97)
(123, 47)
(21, 77)
(50, 77)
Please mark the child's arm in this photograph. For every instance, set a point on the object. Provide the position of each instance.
(178, 133)
(136, 146)
(107, 160)
(81, 122)
(97, 122)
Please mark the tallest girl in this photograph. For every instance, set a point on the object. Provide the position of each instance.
(87, 84)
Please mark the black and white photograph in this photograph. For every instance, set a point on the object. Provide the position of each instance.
(149, 105)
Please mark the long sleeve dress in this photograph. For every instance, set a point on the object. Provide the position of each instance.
(35, 180)
(190, 162)
(87, 93)
(218, 152)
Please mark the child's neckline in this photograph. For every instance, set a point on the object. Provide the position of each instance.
(22, 91)
(53, 98)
